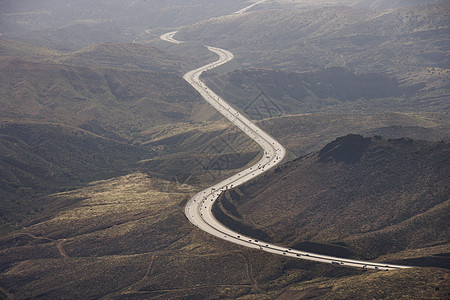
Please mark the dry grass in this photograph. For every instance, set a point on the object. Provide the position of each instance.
(110, 202)
(128, 238)
(375, 196)
(399, 284)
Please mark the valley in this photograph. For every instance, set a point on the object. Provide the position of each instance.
(103, 143)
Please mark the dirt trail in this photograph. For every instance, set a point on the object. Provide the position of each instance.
(61, 249)
(250, 274)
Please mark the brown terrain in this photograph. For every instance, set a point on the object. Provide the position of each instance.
(102, 143)
(356, 197)
(127, 238)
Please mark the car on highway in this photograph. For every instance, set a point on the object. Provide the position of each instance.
(273, 156)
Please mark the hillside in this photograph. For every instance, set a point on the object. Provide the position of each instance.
(25, 50)
(130, 56)
(71, 25)
(38, 158)
(117, 100)
(410, 43)
(306, 133)
(361, 197)
(127, 238)
(108, 110)
(127, 56)
(331, 89)
(64, 126)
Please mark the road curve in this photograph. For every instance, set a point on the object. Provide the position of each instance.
(198, 210)
(245, 9)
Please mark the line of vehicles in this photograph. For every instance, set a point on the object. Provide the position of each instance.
(199, 208)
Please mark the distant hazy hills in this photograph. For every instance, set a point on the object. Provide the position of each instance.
(407, 42)
(71, 25)
(386, 4)
(362, 197)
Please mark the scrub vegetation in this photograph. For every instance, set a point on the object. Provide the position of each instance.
(102, 143)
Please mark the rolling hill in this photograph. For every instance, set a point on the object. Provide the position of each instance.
(63, 125)
(306, 133)
(71, 25)
(361, 197)
(102, 143)
(330, 89)
(38, 158)
(71, 118)
(79, 95)
(127, 238)
(405, 42)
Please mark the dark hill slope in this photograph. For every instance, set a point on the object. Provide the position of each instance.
(127, 238)
(374, 195)
(295, 92)
(40, 158)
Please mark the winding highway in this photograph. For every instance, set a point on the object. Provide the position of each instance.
(198, 210)
(245, 9)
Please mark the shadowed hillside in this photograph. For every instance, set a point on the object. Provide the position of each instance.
(115, 109)
(331, 89)
(127, 238)
(364, 196)
(102, 143)
(40, 158)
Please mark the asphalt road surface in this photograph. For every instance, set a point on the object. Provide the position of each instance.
(199, 208)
